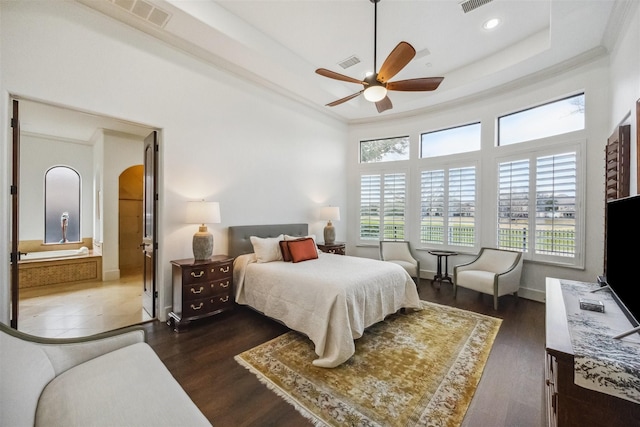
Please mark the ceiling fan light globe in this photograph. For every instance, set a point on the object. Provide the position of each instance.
(375, 93)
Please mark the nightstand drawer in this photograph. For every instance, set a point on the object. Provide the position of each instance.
(220, 287)
(194, 274)
(220, 271)
(221, 302)
(195, 291)
(199, 307)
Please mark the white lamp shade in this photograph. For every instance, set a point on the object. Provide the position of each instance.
(203, 212)
(330, 213)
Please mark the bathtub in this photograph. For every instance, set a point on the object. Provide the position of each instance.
(62, 253)
(59, 267)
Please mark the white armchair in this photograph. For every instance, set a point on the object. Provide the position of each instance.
(399, 252)
(495, 272)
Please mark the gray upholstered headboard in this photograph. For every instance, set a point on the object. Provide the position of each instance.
(239, 242)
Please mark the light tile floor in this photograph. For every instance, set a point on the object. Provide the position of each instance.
(63, 311)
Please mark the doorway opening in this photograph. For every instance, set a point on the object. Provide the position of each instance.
(104, 289)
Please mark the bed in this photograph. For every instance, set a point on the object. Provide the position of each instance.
(332, 299)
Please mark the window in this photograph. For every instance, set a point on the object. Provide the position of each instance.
(552, 231)
(553, 118)
(461, 139)
(447, 206)
(382, 206)
(62, 205)
(384, 150)
(513, 205)
(556, 205)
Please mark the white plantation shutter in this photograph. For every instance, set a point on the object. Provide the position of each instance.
(462, 206)
(556, 205)
(447, 206)
(395, 189)
(370, 207)
(513, 205)
(432, 206)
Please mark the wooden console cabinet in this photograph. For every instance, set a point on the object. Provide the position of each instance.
(567, 403)
(200, 289)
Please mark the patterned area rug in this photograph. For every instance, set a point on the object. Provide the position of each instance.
(419, 368)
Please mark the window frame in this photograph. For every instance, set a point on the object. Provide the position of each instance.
(533, 107)
(46, 206)
(447, 163)
(479, 149)
(407, 137)
(532, 151)
(382, 169)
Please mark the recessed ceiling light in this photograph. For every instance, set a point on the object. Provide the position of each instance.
(491, 24)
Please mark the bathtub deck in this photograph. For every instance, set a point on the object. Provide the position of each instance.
(55, 271)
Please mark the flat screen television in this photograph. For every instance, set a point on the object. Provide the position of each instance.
(622, 258)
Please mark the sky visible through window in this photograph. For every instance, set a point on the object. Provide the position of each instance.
(461, 139)
(566, 115)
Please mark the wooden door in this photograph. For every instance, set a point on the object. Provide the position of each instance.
(15, 255)
(149, 245)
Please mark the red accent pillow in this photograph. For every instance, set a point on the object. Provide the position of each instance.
(302, 249)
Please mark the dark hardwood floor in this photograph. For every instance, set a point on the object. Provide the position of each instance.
(510, 392)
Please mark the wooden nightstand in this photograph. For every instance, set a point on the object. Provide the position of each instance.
(201, 289)
(333, 248)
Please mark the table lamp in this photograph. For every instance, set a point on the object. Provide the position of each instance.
(202, 213)
(330, 213)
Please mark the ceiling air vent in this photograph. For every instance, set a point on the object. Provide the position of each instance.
(470, 5)
(349, 62)
(144, 10)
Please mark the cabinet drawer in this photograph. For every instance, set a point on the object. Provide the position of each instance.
(220, 287)
(220, 271)
(194, 275)
(195, 291)
(199, 307)
(220, 302)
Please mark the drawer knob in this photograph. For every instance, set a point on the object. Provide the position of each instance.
(224, 269)
(193, 291)
(225, 298)
(200, 274)
(225, 285)
(193, 307)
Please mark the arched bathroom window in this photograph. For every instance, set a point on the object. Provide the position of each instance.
(61, 205)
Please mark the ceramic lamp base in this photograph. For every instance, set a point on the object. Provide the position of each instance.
(329, 234)
(202, 244)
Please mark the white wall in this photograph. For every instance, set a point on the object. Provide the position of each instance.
(625, 83)
(120, 152)
(42, 153)
(266, 159)
(486, 109)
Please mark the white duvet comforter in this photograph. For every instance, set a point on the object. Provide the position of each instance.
(331, 299)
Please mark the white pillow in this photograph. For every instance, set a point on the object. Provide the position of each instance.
(313, 236)
(267, 249)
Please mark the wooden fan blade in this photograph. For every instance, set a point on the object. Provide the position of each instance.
(416, 85)
(337, 76)
(399, 57)
(345, 99)
(384, 104)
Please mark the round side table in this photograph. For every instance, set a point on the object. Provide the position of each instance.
(440, 275)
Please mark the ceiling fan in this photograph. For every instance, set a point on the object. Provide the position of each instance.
(376, 85)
